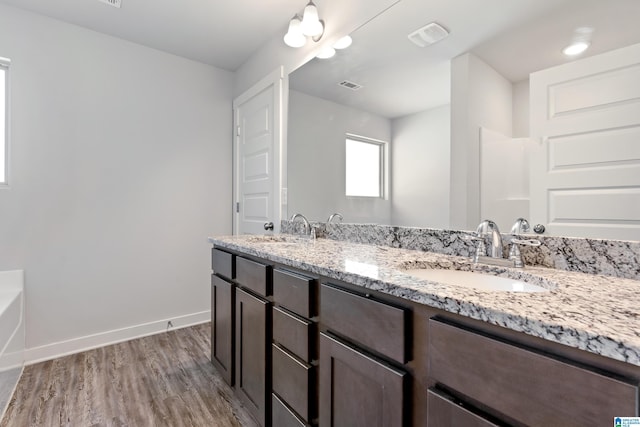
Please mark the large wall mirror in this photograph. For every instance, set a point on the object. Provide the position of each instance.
(389, 90)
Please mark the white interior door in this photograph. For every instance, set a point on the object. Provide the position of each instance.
(585, 173)
(257, 177)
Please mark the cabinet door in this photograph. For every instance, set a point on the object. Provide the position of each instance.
(222, 318)
(253, 383)
(443, 412)
(357, 390)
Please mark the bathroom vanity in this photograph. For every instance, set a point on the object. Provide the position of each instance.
(334, 333)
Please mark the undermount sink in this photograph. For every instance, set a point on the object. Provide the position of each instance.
(476, 280)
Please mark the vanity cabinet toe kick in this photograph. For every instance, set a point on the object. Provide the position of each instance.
(304, 350)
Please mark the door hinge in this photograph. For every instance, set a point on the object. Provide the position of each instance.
(237, 207)
(237, 130)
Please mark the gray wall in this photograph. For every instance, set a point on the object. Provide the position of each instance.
(316, 159)
(480, 97)
(420, 158)
(121, 168)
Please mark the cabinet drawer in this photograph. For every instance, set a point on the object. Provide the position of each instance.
(444, 412)
(527, 386)
(294, 292)
(222, 263)
(292, 333)
(379, 326)
(283, 416)
(292, 381)
(253, 275)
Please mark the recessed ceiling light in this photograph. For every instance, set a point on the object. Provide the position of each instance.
(575, 49)
(580, 41)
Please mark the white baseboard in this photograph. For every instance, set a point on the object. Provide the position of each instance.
(77, 345)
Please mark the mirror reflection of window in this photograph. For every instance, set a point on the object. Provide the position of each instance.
(364, 167)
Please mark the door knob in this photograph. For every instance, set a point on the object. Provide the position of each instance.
(268, 226)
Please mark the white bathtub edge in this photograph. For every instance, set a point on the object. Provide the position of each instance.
(77, 345)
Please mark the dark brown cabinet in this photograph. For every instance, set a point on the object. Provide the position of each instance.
(301, 353)
(222, 313)
(445, 412)
(375, 325)
(357, 390)
(253, 354)
(530, 387)
(295, 394)
(222, 331)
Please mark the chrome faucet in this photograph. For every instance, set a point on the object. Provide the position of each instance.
(488, 227)
(334, 215)
(307, 226)
(521, 226)
(484, 228)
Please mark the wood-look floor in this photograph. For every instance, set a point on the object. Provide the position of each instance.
(161, 380)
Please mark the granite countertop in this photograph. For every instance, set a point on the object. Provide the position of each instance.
(599, 314)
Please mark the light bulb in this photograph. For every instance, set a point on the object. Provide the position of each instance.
(326, 53)
(311, 25)
(294, 36)
(343, 43)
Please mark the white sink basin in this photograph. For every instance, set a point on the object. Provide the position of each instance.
(474, 280)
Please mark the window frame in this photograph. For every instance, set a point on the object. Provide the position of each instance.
(5, 65)
(383, 166)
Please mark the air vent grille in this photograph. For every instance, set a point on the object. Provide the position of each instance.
(429, 34)
(350, 85)
(114, 3)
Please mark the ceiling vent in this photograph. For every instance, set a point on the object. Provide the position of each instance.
(114, 3)
(350, 85)
(428, 35)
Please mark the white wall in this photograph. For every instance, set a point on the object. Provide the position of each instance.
(521, 109)
(121, 168)
(480, 97)
(316, 159)
(420, 158)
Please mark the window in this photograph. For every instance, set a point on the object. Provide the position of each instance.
(4, 122)
(364, 167)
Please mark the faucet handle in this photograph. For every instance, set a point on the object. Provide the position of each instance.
(526, 242)
(470, 237)
(521, 226)
(514, 250)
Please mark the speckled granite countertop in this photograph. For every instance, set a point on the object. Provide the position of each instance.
(599, 314)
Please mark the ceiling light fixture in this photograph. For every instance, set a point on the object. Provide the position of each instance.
(343, 43)
(330, 51)
(580, 42)
(310, 25)
(294, 36)
(326, 53)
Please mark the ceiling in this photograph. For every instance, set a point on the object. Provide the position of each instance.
(514, 37)
(222, 33)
